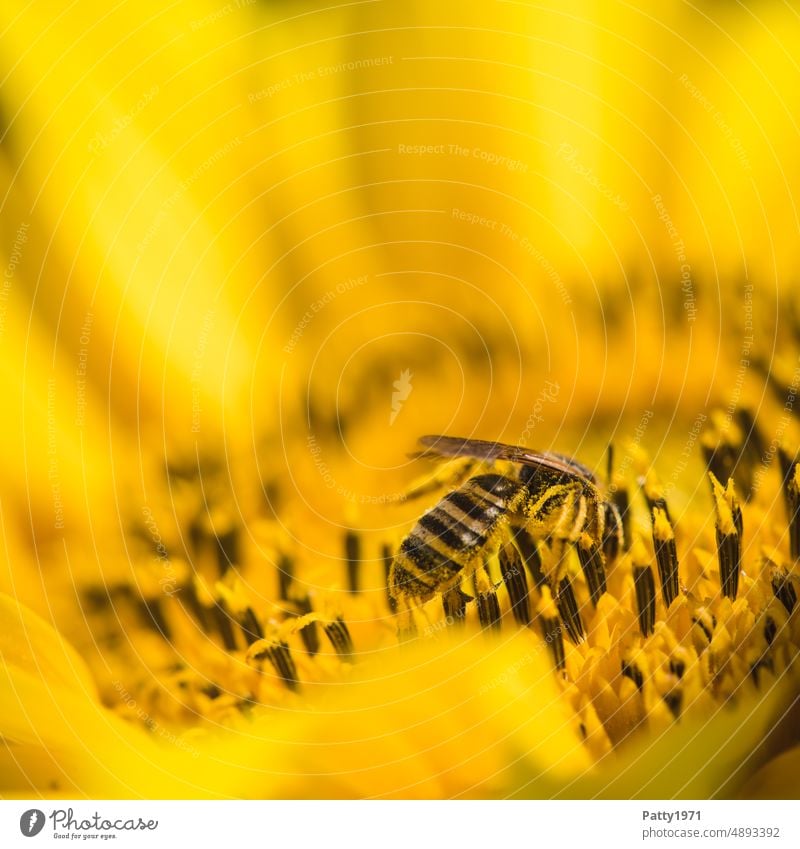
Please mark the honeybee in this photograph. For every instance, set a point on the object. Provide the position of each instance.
(549, 496)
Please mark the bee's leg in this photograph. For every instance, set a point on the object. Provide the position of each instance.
(450, 474)
(485, 595)
(404, 618)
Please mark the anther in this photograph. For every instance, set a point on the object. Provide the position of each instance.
(666, 555)
(645, 587)
(551, 631)
(153, 615)
(352, 549)
(339, 636)
(222, 619)
(591, 560)
(280, 657)
(729, 535)
(251, 627)
(783, 589)
(530, 554)
(568, 610)
(513, 573)
(285, 576)
(632, 671)
(488, 609)
(673, 700)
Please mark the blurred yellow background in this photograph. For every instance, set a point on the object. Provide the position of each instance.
(229, 229)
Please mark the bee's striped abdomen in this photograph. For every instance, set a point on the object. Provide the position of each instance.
(449, 535)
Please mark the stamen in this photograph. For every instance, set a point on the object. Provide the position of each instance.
(153, 616)
(285, 576)
(194, 607)
(513, 573)
(706, 622)
(770, 630)
(783, 589)
(645, 585)
(621, 501)
(352, 548)
(677, 667)
(733, 448)
(568, 610)
(339, 636)
(673, 700)
(729, 531)
(591, 560)
(791, 495)
(613, 534)
(530, 554)
(632, 671)
(281, 659)
(386, 554)
(228, 549)
(488, 609)
(251, 627)
(309, 633)
(552, 629)
(222, 619)
(654, 495)
(666, 555)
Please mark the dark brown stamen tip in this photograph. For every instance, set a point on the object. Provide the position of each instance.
(513, 573)
(764, 662)
(190, 602)
(645, 585)
(770, 630)
(707, 627)
(666, 555)
(152, 614)
(673, 700)
(591, 560)
(729, 552)
(454, 604)
(621, 501)
(568, 610)
(677, 667)
(730, 526)
(223, 621)
(281, 659)
(488, 609)
(228, 549)
(632, 671)
(339, 636)
(614, 534)
(790, 469)
(530, 554)
(285, 576)
(784, 589)
(386, 554)
(352, 553)
(251, 627)
(551, 631)
(309, 634)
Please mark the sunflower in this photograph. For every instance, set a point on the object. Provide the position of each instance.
(251, 253)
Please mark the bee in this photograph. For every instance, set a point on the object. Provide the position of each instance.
(550, 496)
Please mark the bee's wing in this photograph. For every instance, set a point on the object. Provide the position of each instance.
(450, 446)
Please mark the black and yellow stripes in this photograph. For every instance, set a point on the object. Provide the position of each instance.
(449, 537)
